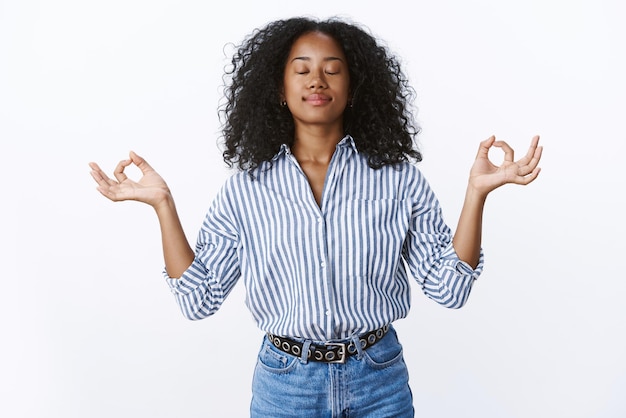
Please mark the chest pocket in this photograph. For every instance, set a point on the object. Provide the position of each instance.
(374, 235)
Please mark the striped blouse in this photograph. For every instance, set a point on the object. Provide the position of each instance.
(330, 271)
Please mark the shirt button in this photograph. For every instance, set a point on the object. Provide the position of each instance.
(323, 264)
(319, 220)
(327, 313)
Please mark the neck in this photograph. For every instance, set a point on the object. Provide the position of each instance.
(316, 144)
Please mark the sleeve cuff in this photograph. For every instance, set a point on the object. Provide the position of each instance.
(452, 261)
(194, 277)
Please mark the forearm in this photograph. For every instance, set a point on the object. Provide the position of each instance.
(177, 252)
(468, 236)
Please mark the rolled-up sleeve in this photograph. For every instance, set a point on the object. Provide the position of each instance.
(203, 287)
(430, 255)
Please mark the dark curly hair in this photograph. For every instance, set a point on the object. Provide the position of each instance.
(255, 125)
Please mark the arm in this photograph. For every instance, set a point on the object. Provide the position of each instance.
(152, 190)
(484, 178)
(429, 253)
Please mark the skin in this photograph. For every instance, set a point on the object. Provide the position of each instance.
(152, 190)
(316, 89)
(484, 178)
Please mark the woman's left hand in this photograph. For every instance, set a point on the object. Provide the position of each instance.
(486, 176)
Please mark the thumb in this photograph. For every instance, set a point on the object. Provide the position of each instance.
(140, 162)
(483, 148)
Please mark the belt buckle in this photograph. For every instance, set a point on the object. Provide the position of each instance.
(343, 350)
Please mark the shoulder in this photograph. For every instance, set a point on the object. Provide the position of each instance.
(236, 183)
(405, 173)
(411, 182)
(243, 184)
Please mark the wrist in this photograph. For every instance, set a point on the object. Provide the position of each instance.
(476, 194)
(165, 203)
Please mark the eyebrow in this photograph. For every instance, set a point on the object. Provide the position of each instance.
(309, 59)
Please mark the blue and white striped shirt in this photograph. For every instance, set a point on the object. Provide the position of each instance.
(326, 272)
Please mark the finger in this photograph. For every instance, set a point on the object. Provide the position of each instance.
(99, 176)
(484, 146)
(106, 186)
(508, 151)
(534, 161)
(531, 160)
(530, 154)
(101, 179)
(140, 163)
(119, 170)
(532, 176)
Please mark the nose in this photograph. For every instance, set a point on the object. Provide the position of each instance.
(317, 80)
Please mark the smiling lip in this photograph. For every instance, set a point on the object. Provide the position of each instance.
(317, 99)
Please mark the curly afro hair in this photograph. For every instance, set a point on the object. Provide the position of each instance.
(255, 125)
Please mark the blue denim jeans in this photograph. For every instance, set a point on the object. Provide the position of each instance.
(372, 383)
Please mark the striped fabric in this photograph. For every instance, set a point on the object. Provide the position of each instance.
(326, 272)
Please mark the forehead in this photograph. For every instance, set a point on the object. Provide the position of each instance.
(316, 45)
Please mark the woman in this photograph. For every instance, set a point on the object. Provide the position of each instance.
(325, 212)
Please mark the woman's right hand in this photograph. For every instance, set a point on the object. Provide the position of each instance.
(150, 189)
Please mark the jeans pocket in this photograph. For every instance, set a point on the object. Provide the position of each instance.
(275, 361)
(384, 354)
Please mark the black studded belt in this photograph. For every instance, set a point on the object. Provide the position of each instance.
(331, 352)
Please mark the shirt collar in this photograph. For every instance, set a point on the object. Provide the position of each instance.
(346, 142)
(284, 150)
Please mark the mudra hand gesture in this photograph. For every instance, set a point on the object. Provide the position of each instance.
(486, 176)
(150, 189)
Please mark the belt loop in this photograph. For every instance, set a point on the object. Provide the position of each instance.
(356, 342)
(304, 356)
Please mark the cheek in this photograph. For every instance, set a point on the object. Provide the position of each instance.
(345, 89)
(288, 88)
(344, 86)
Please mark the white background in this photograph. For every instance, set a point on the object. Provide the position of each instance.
(89, 328)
